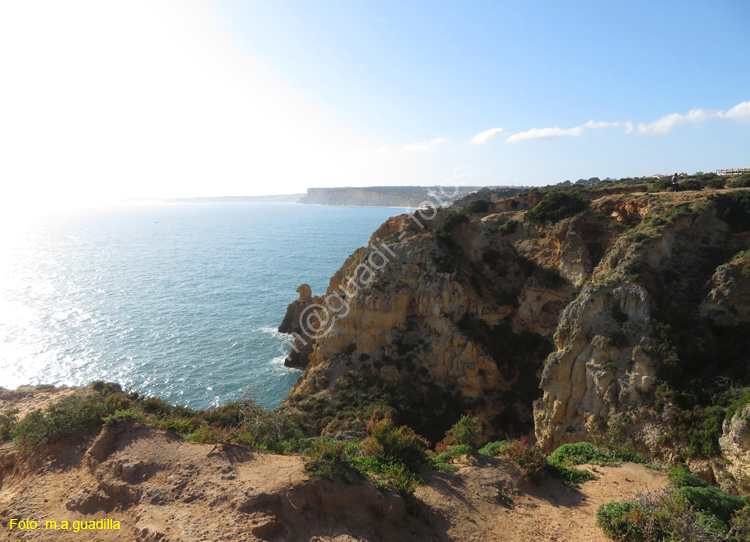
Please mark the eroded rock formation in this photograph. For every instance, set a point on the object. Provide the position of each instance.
(601, 320)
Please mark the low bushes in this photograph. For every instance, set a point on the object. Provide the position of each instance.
(69, 416)
(740, 182)
(557, 205)
(529, 459)
(734, 209)
(494, 449)
(691, 184)
(465, 431)
(690, 511)
(478, 206)
(391, 443)
(507, 228)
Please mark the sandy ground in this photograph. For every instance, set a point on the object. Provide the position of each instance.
(486, 501)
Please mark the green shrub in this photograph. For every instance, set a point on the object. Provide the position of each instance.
(452, 221)
(329, 459)
(442, 461)
(661, 185)
(740, 526)
(210, 434)
(507, 228)
(713, 500)
(65, 418)
(8, 422)
(464, 431)
(717, 183)
(400, 444)
(734, 209)
(570, 475)
(267, 428)
(530, 460)
(577, 453)
(620, 521)
(740, 182)
(494, 449)
(557, 205)
(561, 460)
(128, 414)
(680, 477)
(691, 184)
(478, 206)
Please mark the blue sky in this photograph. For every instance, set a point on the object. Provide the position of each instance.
(192, 98)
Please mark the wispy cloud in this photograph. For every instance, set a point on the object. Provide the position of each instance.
(740, 112)
(483, 137)
(666, 123)
(592, 124)
(546, 133)
(423, 145)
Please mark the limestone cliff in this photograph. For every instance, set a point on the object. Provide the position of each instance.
(618, 318)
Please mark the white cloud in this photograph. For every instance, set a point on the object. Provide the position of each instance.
(423, 145)
(483, 137)
(740, 112)
(592, 124)
(546, 133)
(666, 123)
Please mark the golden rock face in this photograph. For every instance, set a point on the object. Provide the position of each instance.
(543, 328)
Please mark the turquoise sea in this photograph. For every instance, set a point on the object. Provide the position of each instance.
(177, 301)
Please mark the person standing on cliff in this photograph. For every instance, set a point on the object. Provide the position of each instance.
(675, 183)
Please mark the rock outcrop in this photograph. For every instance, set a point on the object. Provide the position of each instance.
(735, 447)
(301, 320)
(604, 320)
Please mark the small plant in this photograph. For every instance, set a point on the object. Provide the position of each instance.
(441, 462)
(716, 184)
(530, 460)
(505, 499)
(465, 431)
(328, 459)
(400, 444)
(8, 422)
(494, 449)
(621, 521)
(129, 414)
(507, 228)
(740, 526)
